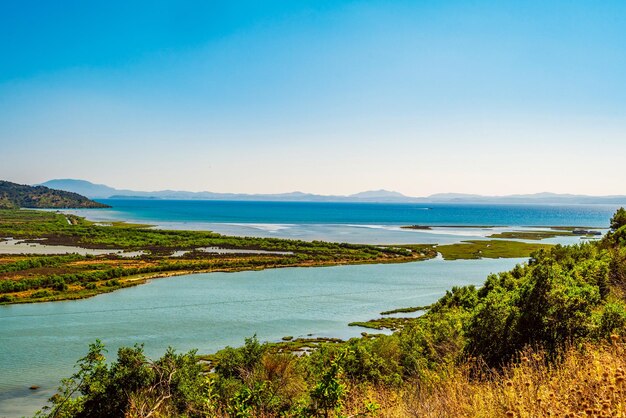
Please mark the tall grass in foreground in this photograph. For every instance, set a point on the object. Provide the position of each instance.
(588, 382)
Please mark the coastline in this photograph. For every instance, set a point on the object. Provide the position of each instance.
(133, 281)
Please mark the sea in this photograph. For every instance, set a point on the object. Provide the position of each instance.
(360, 223)
(40, 343)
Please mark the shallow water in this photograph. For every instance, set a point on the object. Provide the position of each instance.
(41, 342)
(15, 247)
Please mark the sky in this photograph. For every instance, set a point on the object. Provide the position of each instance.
(328, 97)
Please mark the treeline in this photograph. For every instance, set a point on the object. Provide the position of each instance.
(560, 299)
(38, 262)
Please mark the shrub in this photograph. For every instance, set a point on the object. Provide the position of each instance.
(133, 385)
(41, 294)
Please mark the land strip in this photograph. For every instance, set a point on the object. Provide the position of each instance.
(137, 253)
(161, 253)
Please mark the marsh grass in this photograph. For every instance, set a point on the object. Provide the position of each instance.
(532, 235)
(477, 249)
(390, 323)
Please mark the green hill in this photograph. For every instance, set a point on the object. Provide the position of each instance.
(14, 195)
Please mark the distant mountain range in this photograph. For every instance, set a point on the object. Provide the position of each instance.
(101, 191)
(13, 196)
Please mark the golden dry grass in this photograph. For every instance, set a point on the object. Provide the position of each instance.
(589, 382)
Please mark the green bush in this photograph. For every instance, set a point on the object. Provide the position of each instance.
(133, 385)
(41, 294)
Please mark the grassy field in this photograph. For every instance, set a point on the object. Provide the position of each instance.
(488, 249)
(532, 235)
(587, 382)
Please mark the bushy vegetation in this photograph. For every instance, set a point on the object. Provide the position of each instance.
(543, 339)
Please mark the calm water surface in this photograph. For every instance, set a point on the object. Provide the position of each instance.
(361, 223)
(358, 213)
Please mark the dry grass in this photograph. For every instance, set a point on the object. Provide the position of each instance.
(589, 382)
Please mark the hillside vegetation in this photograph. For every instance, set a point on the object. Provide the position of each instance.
(544, 339)
(13, 196)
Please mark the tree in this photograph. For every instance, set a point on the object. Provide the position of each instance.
(619, 219)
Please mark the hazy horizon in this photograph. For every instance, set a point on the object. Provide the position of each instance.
(389, 191)
(324, 97)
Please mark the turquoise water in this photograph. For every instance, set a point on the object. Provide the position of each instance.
(41, 342)
(191, 211)
(361, 223)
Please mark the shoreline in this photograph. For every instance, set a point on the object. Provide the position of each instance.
(137, 281)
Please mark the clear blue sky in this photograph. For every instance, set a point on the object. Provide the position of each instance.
(331, 97)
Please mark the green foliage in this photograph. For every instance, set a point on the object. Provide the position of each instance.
(374, 360)
(132, 385)
(619, 219)
(41, 294)
(548, 303)
(531, 235)
(406, 310)
(252, 381)
(41, 272)
(464, 297)
(327, 395)
(6, 298)
(239, 362)
(612, 320)
(38, 262)
(432, 343)
(616, 237)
